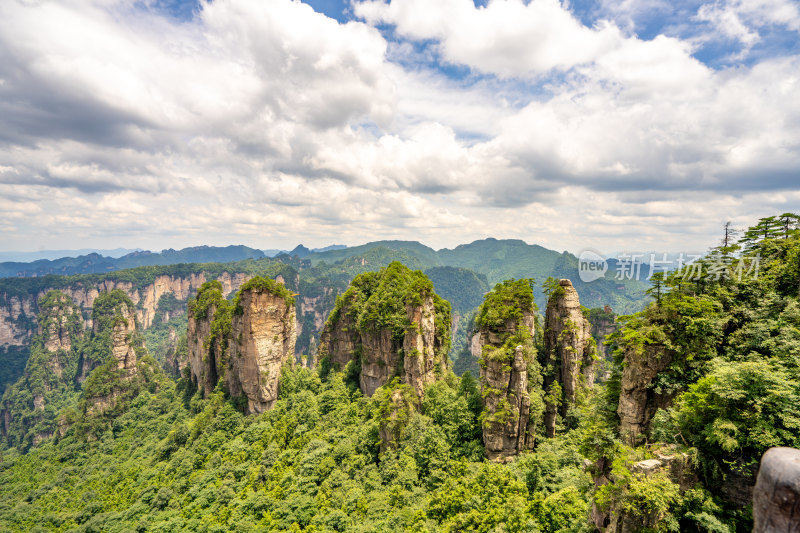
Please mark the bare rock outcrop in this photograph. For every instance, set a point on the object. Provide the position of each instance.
(111, 381)
(60, 322)
(204, 350)
(603, 324)
(121, 347)
(263, 336)
(509, 371)
(18, 313)
(638, 402)
(776, 497)
(243, 343)
(389, 324)
(570, 352)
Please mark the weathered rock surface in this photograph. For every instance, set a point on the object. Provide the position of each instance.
(638, 402)
(570, 350)
(669, 462)
(14, 331)
(121, 347)
(340, 341)
(263, 338)
(506, 355)
(60, 323)
(116, 324)
(245, 344)
(176, 358)
(508, 428)
(417, 354)
(60, 326)
(204, 353)
(603, 325)
(776, 497)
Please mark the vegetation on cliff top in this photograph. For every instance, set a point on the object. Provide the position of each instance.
(508, 301)
(174, 461)
(259, 284)
(378, 300)
(52, 390)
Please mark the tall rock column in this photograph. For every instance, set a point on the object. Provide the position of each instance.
(244, 343)
(388, 324)
(204, 349)
(570, 352)
(510, 378)
(263, 336)
(123, 330)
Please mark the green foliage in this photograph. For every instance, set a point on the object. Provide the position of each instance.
(262, 284)
(506, 302)
(732, 343)
(380, 301)
(209, 296)
(738, 410)
(463, 288)
(309, 464)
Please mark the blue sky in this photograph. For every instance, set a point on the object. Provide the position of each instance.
(612, 124)
(647, 20)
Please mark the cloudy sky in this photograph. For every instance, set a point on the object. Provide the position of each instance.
(632, 124)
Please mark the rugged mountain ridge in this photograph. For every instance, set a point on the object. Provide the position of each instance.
(94, 263)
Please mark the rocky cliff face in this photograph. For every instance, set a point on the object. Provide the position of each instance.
(508, 428)
(638, 402)
(15, 315)
(244, 343)
(603, 324)
(668, 464)
(263, 338)
(508, 369)
(60, 326)
(776, 497)
(340, 341)
(64, 354)
(121, 335)
(110, 381)
(18, 314)
(570, 351)
(204, 351)
(391, 324)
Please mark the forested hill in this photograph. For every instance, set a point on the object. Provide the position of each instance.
(318, 278)
(495, 259)
(666, 437)
(502, 259)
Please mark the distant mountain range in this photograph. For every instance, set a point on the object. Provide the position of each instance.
(24, 257)
(499, 260)
(90, 261)
(494, 260)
